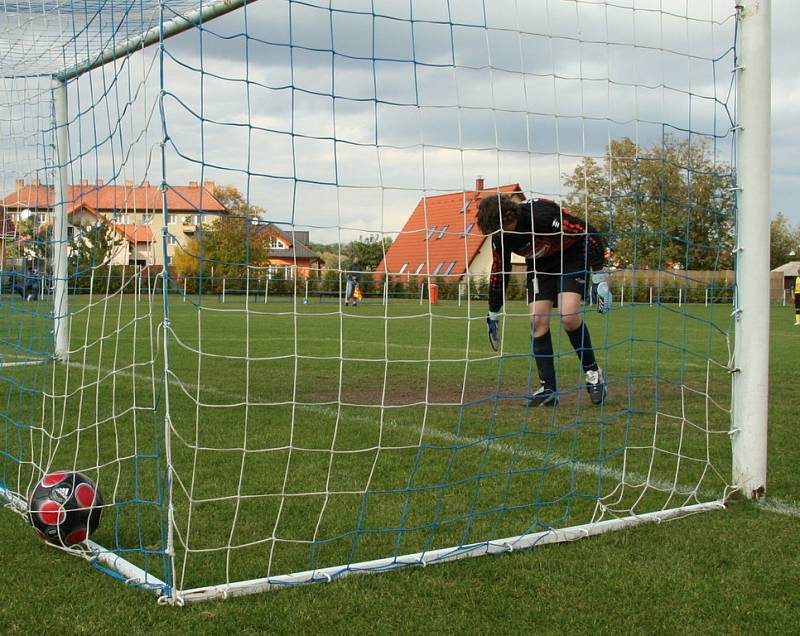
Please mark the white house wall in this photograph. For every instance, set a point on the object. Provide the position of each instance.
(481, 265)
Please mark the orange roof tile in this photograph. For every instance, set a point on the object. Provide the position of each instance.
(135, 233)
(180, 198)
(433, 240)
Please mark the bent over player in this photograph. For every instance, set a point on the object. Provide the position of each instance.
(559, 250)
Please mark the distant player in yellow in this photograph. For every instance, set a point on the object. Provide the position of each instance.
(797, 300)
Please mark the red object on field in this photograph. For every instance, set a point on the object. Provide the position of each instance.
(433, 293)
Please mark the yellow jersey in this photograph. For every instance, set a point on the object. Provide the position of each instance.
(797, 285)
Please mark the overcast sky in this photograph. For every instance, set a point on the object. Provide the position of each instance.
(481, 103)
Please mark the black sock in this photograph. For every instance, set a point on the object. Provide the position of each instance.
(543, 354)
(582, 343)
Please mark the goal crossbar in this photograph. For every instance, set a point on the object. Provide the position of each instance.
(167, 29)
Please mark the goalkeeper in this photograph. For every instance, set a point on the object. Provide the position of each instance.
(559, 250)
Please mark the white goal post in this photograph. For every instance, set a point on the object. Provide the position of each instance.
(751, 363)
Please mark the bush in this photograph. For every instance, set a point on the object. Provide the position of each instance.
(279, 286)
(331, 281)
(479, 287)
(639, 294)
(104, 280)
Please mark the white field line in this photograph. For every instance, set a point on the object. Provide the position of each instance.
(21, 359)
(630, 478)
(23, 363)
(770, 504)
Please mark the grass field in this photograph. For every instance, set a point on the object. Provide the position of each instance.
(311, 438)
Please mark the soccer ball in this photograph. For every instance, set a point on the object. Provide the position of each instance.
(65, 507)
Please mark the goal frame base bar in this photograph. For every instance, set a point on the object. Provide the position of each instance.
(97, 554)
(498, 546)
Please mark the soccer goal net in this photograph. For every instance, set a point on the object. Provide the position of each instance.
(245, 291)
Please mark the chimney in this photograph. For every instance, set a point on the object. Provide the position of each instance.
(128, 183)
(146, 184)
(479, 184)
(35, 182)
(209, 185)
(19, 183)
(84, 182)
(99, 182)
(193, 184)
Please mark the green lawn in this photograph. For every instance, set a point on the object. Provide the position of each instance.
(310, 438)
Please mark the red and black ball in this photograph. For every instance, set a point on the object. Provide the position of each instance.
(65, 507)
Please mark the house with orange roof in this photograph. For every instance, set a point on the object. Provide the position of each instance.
(134, 244)
(441, 237)
(289, 253)
(136, 209)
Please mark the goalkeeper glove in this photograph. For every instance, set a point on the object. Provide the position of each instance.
(493, 326)
(604, 297)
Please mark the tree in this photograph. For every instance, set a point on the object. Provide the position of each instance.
(370, 250)
(23, 246)
(671, 204)
(186, 260)
(235, 202)
(230, 196)
(232, 244)
(94, 244)
(784, 241)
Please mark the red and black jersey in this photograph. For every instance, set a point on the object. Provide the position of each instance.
(543, 233)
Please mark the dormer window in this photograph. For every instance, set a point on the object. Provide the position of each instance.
(442, 232)
(276, 243)
(431, 232)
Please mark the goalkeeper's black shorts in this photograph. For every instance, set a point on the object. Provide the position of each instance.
(561, 272)
(797, 302)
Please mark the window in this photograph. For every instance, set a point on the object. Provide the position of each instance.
(450, 267)
(438, 267)
(469, 229)
(276, 243)
(170, 219)
(277, 271)
(430, 233)
(171, 240)
(442, 232)
(419, 269)
(403, 268)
